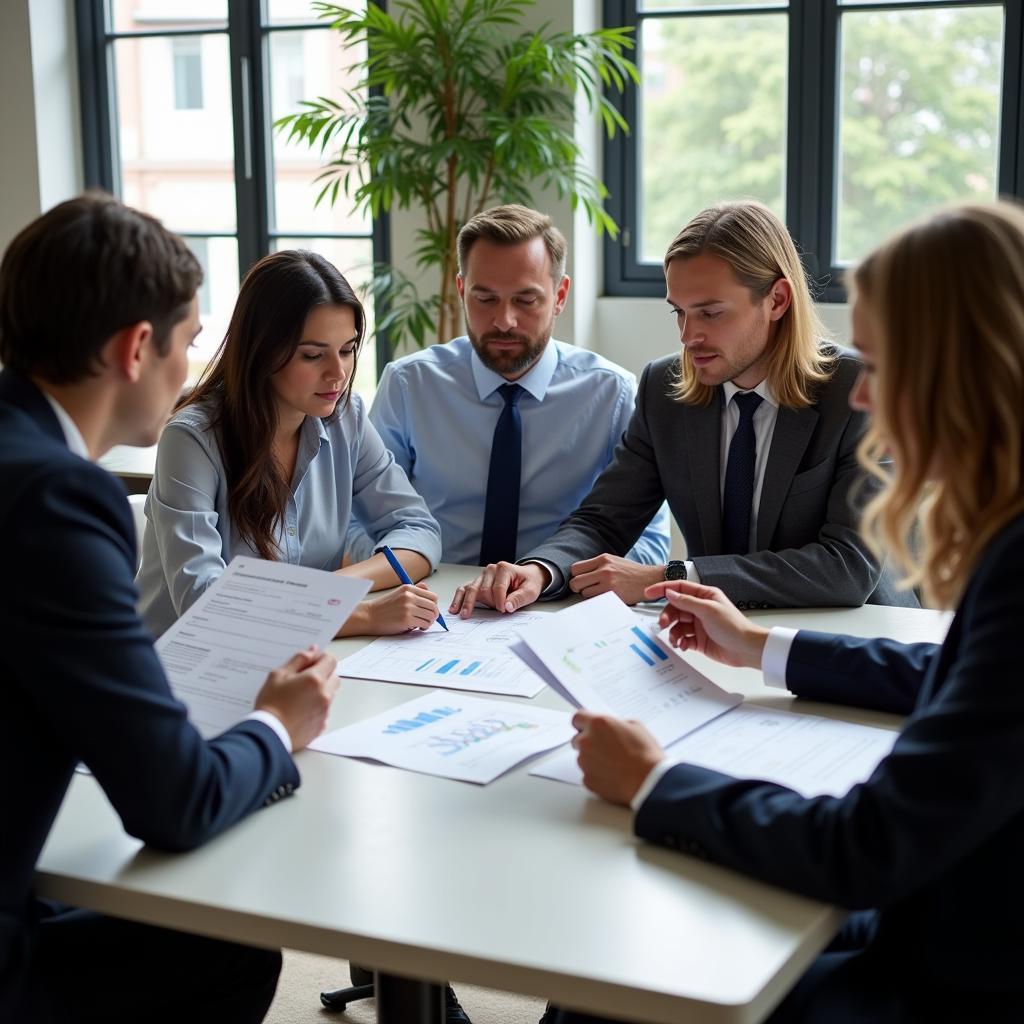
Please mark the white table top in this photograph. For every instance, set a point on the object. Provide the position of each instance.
(526, 884)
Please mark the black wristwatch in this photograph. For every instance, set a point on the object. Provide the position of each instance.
(675, 570)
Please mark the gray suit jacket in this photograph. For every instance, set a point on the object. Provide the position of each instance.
(809, 551)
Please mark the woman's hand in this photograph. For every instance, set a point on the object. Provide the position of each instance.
(399, 610)
(614, 756)
(703, 619)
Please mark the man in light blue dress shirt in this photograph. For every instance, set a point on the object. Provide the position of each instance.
(437, 410)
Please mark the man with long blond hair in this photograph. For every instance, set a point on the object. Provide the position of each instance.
(747, 433)
(927, 849)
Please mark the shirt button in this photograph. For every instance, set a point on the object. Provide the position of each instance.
(291, 531)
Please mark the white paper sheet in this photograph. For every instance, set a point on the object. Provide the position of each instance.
(452, 735)
(252, 619)
(473, 655)
(813, 755)
(607, 659)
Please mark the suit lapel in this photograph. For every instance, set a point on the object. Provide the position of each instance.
(793, 429)
(703, 444)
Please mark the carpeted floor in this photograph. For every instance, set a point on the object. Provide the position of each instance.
(305, 976)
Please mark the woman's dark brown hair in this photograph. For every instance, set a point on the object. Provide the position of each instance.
(277, 295)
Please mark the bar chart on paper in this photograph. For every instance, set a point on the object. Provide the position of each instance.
(459, 737)
(605, 659)
(472, 655)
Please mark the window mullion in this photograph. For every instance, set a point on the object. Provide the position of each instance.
(1011, 132)
(827, 131)
(247, 105)
(98, 116)
(809, 66)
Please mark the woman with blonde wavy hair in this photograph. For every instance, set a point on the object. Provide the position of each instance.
(928, 851)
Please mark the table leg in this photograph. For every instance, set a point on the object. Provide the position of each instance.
(404, 1001)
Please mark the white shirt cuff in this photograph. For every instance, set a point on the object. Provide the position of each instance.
(653, 778)
(691, 572)
(776, 655)
(271, 721)
(557, 579)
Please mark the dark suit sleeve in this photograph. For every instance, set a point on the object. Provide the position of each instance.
(87, 667)
(955, 777)
(835, 568)
(883, 675)
(624, 498)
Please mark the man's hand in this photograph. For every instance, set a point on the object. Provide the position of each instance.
(607, 572)
(504, 586)
(703, 619)
(615, 756)
(299, 694)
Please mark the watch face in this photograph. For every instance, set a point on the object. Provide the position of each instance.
(675, 571)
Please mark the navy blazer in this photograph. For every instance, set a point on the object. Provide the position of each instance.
(81, 682)
(935, 838)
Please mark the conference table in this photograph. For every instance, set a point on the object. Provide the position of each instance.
(526, 885)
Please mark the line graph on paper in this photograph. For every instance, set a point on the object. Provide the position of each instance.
(477, 731)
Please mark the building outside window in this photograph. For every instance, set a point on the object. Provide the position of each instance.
(178, 101)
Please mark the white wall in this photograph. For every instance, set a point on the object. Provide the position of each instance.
(40, 159)
(632, 332)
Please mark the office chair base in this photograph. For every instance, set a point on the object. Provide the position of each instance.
(338, 1000)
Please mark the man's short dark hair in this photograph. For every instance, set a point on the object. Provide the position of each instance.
(77, 275)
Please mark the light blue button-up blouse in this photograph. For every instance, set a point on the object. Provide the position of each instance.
(343, 471)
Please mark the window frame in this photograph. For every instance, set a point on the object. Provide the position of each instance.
(248, 54)
(811, 135)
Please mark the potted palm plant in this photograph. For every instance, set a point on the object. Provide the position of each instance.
(459, 106)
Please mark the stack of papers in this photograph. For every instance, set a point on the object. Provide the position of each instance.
(602, 656)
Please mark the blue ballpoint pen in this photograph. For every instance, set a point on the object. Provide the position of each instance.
(404, 576)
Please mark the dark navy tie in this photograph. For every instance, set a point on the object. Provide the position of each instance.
(501, 509)
(738, 498)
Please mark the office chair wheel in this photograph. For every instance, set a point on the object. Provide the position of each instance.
(338, 1000)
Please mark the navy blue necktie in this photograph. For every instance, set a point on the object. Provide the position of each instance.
(738, 498)
(501, 509)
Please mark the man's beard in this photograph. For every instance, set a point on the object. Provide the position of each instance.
(514, 361)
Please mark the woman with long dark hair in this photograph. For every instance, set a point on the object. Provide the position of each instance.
(271, 454)
(928, 850)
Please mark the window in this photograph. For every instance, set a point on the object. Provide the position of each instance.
(178, 98)
(849, 118)
(188, 73)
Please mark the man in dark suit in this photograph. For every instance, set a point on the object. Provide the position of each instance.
(97, 312)
(748, 433)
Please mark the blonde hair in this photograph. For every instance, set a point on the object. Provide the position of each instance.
(945, 300)
(509, 225)
(758, 248)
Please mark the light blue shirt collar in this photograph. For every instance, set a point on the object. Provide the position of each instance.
(535, 380)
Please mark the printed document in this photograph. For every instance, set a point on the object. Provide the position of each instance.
(253, 618)
(452, 735)
(473, 655)
(813, 755)
(605, 658)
